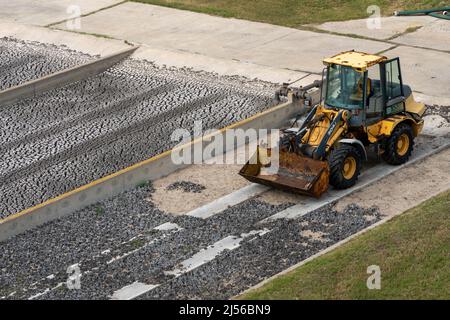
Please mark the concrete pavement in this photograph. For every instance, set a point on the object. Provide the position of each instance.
(388, 28)
(435, 35)
(44, 12)
(421, 31)
(252, 42)
(427, 71)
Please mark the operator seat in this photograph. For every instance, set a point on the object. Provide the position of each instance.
(357, 96)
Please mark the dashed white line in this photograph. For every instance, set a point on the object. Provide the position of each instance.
(202, 257)
(168, 226)
(163, 227)
(212, 251)
(132, 291)
(227, 201)
(39, 294)
(172, 227)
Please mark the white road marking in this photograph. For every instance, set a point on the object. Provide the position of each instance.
(39, 294)
(137, 289)
(229, 200)
(212, 251)
(168, 226)
(165, 226)
(47, 290)
(132, 291)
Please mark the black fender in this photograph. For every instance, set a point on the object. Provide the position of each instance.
(357, 144)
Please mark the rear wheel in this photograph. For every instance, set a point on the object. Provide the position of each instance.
(399, 146)
(345, 166)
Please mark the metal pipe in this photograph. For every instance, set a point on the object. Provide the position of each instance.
(430, 12)
(440, 16)
(418, 12)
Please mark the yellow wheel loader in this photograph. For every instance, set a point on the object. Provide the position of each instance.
(363, 103)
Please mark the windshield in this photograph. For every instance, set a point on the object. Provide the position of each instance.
(344, 87)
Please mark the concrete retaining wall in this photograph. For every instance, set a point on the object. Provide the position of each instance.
(62, 78)
(128, 178)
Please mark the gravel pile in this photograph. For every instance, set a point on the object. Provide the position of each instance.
(443, 111)
(22, 61)
(80, 237)
(70, 136)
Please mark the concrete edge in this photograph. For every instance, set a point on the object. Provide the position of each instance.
(153, 168)
(338, 244)
(62, 78)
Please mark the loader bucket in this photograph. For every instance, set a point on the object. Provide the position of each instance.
(295, 173)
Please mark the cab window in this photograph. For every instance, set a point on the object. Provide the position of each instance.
(393, 80)
(344, 87)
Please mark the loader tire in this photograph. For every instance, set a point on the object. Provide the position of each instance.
(399, 145)
(345, 166)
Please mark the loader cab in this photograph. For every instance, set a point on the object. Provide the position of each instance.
(370, 86)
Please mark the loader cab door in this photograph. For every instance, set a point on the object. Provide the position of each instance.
(392, 87)
(375, 100)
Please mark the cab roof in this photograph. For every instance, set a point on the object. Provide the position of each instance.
(357, 60)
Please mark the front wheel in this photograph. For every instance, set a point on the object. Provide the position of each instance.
(399, 145)
(345, 166)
